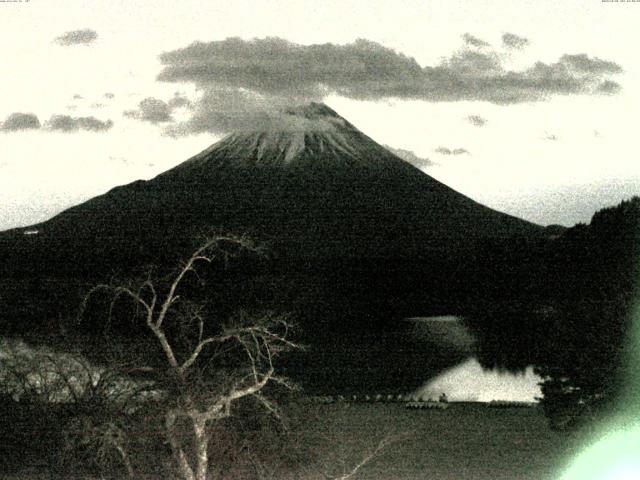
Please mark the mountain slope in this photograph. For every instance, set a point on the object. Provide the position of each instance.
(315, 182)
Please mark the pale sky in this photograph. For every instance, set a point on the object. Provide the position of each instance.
(552, 158)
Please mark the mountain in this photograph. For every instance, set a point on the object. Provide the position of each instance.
(358, 236)
(313, 181)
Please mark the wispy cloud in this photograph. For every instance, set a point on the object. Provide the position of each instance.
(477, 120)
(411, 157)
(77, 37)
(474, 41)
(455, 151)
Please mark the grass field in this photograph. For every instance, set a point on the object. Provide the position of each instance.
(466, 441)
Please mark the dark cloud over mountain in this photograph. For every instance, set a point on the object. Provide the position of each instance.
(263, 74)
(77, 37)
(230, 109)
(273, 66)
(20, 121)
(67, 123)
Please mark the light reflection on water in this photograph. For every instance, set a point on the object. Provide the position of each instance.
(468, 380)
(465, 381)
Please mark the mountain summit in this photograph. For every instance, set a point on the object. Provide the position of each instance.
(309, 135)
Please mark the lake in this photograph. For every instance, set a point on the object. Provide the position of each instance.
(469, 380)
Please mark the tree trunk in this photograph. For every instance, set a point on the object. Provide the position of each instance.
(181, 459)
(125, 459)
(201, 444)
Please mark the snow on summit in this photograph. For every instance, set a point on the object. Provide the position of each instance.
(311, 133)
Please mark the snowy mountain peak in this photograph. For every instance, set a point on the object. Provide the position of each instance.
(305, 135)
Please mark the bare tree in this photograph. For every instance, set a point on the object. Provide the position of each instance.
(208, 366)
(84, 407)
(348, 465)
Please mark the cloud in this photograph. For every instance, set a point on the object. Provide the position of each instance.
(229, 109)
(109, 95)
(179, 101)
(411, 157)
(67, 123)
(470, 64)
(151, 110)
(511, 40)
(77, 96)
(155, 110)
(477, 120)
(64, 123)
(609, 87)
(20, 121)
(455, 151)
(77, 37)
(276, 67)
(264, 74)
(474, 41)
(582, 63)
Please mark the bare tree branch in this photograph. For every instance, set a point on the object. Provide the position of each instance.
(261, 337)
(382, 445)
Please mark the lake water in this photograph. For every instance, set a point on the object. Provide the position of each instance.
(465, 380)
(468, 380)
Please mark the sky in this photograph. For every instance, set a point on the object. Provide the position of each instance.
(528, 107)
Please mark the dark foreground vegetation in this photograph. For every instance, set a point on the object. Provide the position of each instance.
(466, 441)
(569, 313)
(214, 401)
